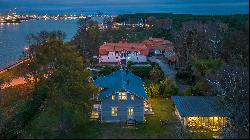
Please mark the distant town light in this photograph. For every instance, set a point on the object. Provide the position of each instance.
(26, 48)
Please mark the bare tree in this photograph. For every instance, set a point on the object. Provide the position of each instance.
(235, 48)
(232, 84)
(190, 41)
(215, 31)
(87, 38)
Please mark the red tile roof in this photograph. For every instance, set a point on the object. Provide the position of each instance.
(123, 45)
(143, 48)
(158, 43)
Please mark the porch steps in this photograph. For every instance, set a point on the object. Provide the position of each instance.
(131, 123)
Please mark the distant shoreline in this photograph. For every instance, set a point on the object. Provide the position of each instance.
(194, 8)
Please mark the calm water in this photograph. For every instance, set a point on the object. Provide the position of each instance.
(197, 7)
(12, 36)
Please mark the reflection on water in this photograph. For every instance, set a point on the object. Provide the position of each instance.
(12, 36)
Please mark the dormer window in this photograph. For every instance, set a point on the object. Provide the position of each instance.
(132, 97)
(122, 96)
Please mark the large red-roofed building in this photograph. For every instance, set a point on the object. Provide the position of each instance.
(123, 52)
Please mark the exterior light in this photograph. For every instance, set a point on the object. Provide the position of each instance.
(26, 48)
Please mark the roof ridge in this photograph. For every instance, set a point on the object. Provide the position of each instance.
(122, 78)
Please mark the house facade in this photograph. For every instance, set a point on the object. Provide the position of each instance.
(122, 97)
(204, 112)
(123, 52)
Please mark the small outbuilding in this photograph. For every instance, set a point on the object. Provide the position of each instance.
(200, 112)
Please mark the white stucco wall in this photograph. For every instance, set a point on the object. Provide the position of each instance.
(114, 58)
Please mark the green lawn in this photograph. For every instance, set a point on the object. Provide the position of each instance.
(151, 129)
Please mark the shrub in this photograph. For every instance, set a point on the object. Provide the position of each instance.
(152, 90)
(156, 74)
(168, 88)
(14, 126)
(192, 90)
(142, 72)
(188, 91)
(129, 64)
(185, 76)
(182, 75)
(105, 71)
(205, 66)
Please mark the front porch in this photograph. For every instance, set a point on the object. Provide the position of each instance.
(95, 112)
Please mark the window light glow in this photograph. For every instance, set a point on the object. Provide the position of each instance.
(113, 97)
(122, 96)
(114, 111)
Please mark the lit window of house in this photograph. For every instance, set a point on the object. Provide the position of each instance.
(114, 111)
(130, 111)
(113, 97)
(122, 96)
(132, 97)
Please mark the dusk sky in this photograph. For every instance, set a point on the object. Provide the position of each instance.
(37, 3)
(127, 6)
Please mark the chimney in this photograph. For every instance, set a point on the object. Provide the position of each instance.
(126, 72)
(127, 82)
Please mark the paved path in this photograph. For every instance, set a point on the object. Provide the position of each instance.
(169, 72)
(14, 82)
(14, 65)
(17, 81)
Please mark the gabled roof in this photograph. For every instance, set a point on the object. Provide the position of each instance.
(203, 106)
(123, 45)
(158, 43)
(120, 80)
